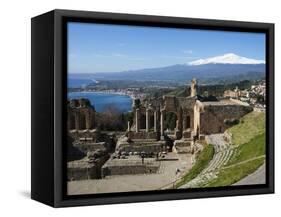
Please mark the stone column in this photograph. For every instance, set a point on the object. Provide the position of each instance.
(184, 122)
(137, 120)
(162, 122)
(129, 128)
(155, 121)
(147, 118)
(88, 120)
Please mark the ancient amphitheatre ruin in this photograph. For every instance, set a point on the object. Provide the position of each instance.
(147, 156)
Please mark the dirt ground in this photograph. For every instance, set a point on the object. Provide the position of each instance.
(142, 182)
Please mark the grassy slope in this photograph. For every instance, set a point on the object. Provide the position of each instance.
(254, 148)
(201, 162)
(250, 126)
(178, 92)
(250, 136)
(232, 175)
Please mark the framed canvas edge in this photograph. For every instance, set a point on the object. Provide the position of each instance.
(59, 198)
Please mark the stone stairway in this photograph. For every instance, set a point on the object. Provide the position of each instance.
(223, 153)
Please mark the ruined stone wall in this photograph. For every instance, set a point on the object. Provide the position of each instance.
(214, 118)
(137, 168)
(85, 135)
(153, 147)
(80, 115)
(143, 135)
(85, 147)
(81, 170)
(170, 104)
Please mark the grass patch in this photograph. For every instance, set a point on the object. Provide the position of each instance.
(249, 127)
(178, 93)
(233, 174)
(254, 148)
(201, 162)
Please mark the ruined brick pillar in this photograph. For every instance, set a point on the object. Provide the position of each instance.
(147, 119)
(184, 122)
(137, 120)
(162, 122)
(88, 120)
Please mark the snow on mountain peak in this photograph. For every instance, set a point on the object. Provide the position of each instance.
(229, 58)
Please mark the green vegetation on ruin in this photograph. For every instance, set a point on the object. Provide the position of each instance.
(170, 121)
(249, 136)
(201, 162)
(111, 119)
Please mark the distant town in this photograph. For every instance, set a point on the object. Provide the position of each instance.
(255, 95)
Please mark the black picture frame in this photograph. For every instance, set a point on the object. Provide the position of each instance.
(49, 73)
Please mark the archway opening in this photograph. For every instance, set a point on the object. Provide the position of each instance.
(142, 121)
(170, 122)
(188, 122)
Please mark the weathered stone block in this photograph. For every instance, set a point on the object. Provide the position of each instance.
(186, 134)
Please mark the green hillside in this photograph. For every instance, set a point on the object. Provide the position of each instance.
(250, 126)
(248, 138)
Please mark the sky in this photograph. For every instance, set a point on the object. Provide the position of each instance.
(113, 48)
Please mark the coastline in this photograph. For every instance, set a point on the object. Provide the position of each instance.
(107, 92)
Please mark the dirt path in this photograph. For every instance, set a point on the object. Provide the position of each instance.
(257, 177)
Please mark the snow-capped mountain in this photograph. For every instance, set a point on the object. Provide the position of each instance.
(229, 58)
(227, 68)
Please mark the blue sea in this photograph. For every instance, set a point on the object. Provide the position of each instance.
(79, 82)
(102, 100)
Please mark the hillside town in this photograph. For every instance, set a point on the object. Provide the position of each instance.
(255, 95)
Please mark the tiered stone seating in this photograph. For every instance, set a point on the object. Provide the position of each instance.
(223, 153)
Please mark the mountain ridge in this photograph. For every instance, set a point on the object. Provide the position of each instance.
(182, 72)
(229, 58)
